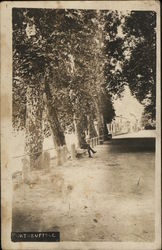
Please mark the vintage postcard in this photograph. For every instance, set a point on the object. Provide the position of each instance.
(80, 125)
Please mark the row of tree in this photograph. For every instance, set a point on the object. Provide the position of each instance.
(67, 66)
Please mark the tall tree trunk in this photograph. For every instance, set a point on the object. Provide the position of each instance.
(80, 130)
(58, 134)
(100, 120)
(105, 131)
(99, 81)
(91, 128)
(34, 135)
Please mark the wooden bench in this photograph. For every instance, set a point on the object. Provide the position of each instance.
(80, 152)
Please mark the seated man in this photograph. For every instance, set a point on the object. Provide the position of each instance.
(85, 145)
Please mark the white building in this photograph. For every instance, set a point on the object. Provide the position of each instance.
(123, 125)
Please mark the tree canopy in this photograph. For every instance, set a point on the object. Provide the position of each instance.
(140, 65)
(69, 64)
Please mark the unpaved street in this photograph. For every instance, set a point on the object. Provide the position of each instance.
(107, 198)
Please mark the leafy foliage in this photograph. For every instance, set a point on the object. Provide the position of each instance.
(114, 53)
(140, 67)
(78, 59)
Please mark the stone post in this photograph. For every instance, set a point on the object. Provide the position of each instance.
(59, 162)
(62, 155)
(73, 153)
(26, 169)
(65, 152)
(46, 161)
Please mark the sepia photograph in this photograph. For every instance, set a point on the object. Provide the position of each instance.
(84, 124)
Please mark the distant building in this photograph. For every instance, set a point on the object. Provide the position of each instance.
(124, 125)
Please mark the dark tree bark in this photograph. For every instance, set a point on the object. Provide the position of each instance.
(80, 129)
(57, 132)
(34, 135)
(99, 120)
(105, 131)
(91, 128)
(80, 134)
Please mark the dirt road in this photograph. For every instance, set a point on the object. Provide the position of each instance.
(107, 198)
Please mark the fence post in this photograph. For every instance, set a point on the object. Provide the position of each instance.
(65, 152)
(73, 153)
(46, 161)
(26, 169)
(62, 155)
(59, 156)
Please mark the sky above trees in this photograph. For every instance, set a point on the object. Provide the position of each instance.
(122, 108)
